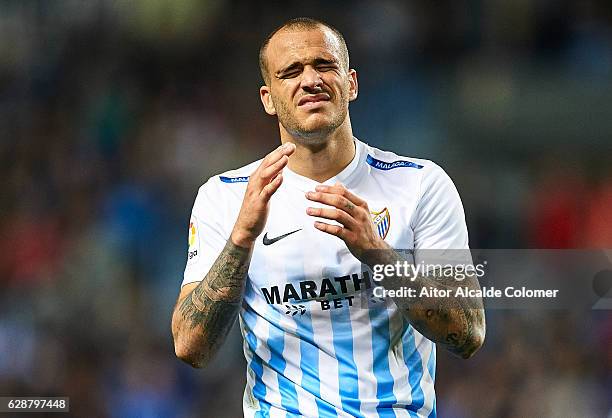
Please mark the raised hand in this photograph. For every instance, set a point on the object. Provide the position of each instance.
(263, 183)
(352, 212)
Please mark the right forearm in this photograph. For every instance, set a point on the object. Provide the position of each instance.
(203, 318)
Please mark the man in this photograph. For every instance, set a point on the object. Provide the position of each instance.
(316, 340)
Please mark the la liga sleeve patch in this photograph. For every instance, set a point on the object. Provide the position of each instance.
(193, 252)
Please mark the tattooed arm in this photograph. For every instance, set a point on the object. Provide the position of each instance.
(456, 323)
(205, 312)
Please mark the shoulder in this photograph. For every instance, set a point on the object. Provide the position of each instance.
(409, 177)
(230, 180)
(235, 176)
(389, 163)
(225, 189)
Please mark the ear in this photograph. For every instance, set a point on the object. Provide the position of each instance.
(353, 85)
(266, 100)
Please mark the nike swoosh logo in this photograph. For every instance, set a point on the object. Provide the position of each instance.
(270, 241)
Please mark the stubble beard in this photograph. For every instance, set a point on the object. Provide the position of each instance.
(310, 136)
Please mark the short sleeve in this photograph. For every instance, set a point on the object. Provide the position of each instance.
(439, 221)
(206, 236)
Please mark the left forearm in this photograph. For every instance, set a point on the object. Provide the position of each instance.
(457, 323)
(453, 322)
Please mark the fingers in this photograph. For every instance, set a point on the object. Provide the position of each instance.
(274, 162)
(333, 214)
(331, 199)
(287, 149)
(263, 183)
(347, 209)
(272, 187)
(272, 170)
(340, 190)
(336, 230)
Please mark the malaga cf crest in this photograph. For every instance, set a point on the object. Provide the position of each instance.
(382, 221)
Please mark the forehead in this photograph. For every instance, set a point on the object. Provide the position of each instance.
(297, 45)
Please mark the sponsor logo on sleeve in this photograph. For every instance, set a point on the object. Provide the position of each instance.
(193, 241)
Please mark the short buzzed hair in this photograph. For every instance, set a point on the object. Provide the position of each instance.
(300, 23)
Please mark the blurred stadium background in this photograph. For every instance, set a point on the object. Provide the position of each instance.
(112, 113)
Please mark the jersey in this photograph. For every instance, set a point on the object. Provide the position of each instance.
(317, 342)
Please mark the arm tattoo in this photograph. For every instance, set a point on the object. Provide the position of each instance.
(209, 311)
(457, 323)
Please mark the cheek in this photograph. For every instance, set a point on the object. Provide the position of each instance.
(343, 90)
(285, 94)
(341, 85)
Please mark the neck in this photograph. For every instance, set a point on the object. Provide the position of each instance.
(323, 158)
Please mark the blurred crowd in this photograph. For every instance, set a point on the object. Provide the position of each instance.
(112, 113)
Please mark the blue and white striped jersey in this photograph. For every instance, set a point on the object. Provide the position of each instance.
(318, 343)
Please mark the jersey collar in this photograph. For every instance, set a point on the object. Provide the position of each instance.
(347, 176)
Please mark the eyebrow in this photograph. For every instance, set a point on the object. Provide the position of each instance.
(316, 62)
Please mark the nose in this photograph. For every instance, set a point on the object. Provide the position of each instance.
(311, 79)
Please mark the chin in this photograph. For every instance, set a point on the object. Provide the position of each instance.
(319, 123)
(313, 129)
(315, 132)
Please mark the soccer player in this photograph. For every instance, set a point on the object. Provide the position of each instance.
(283, 242)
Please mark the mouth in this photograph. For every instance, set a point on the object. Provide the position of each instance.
(312, 100)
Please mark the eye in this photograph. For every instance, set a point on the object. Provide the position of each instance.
(326, 67)
(290, 74)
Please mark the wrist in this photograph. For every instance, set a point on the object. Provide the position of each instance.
(377, 254)
(242, 239)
